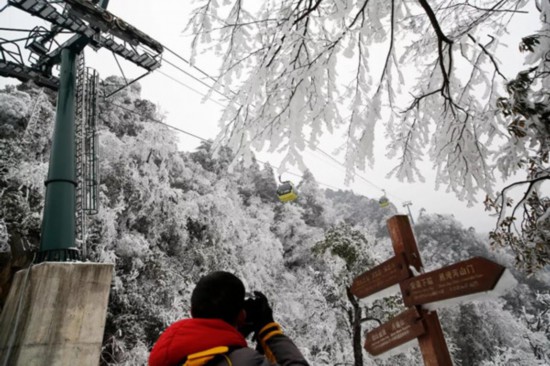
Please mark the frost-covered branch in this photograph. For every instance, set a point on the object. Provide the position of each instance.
(390, 50)
(491, 57)
(441, 38)
(304, 68)
(502, 197)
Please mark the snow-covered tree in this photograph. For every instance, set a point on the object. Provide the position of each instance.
(26, 119)
(426, 70)
(442, 240)
(317, 209)
(284, 57)
(167, 217)
(526, 113)
(498, 330)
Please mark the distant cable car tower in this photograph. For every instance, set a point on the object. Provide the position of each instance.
(407, 204)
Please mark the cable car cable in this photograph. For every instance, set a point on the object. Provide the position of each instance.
(205, 140)
(170, 77)
(228, 98)
(28, 30)
(196, 67)
(182, 83)
(343, 165)
(157, 121)
(190, 88)
(202, 139)
(197, 79)
(357, 175)
(216, 81)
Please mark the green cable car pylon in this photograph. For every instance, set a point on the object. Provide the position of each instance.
(57, 242)
(94, 25)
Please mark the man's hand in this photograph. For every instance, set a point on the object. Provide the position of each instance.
(263, 314)
(258, 314)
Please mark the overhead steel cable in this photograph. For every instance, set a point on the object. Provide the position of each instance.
(157, 121)
(356, 174)
(3, 41)
(197, 79)
(228, 98)
(216, 81)
(300, 176)
(195, 67)
(206, 96)
(343, 165)
(15, 30)
(190, 88)
(202, 138)
(29, 30)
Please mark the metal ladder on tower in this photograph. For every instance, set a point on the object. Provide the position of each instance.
(91, 143)
(86, 149)
(80, 121)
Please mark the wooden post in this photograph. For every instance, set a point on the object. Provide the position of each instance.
(432, 342)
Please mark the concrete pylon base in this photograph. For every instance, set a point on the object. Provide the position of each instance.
(55, 315)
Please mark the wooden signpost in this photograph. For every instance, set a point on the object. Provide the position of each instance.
(403, 328)
(468, 277)
(464, 278)
(387, 274)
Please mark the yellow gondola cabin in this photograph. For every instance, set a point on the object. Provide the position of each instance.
(286, 192)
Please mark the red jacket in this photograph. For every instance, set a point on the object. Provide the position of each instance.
(189, 336)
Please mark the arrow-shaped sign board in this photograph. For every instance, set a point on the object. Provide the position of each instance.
(460, 279)
(386, 274)
(403, 328)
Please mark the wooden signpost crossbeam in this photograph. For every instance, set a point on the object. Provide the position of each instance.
(464, 278)
(386, 274)
(403, 328)
(460, 279)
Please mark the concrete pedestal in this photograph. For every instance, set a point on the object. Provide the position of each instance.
(55, 315)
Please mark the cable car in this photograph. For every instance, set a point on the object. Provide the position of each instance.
(384, 201)
(286, 191)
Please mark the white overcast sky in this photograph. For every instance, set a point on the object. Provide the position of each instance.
(165, 21)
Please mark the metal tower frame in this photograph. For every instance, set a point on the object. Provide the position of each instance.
(72, 182)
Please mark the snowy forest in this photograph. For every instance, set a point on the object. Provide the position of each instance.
(167, 217)
(295, 70)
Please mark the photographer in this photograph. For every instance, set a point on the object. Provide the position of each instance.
(215, 335)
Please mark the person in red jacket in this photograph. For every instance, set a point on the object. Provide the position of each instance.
(215, 334)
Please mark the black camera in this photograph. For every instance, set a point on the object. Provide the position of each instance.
(250, 306)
